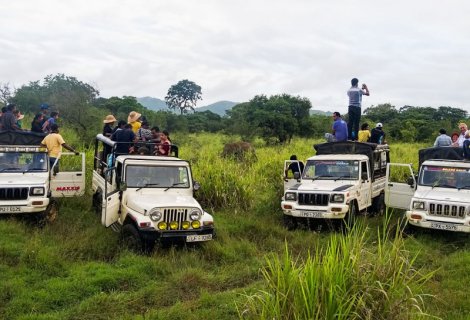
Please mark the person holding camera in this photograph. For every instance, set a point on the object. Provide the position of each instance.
(354, 110)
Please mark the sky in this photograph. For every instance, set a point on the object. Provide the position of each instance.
(413, 52)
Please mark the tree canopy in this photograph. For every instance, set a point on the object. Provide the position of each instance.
(183, 96)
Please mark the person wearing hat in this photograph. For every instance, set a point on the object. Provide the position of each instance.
(377, 135)
(133, 120)
(44, 110)
(443, 140)
(108, 125)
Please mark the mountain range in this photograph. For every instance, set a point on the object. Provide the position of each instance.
(219, 107)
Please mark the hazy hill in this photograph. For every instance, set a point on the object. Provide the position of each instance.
(156, 104)
(219, 107)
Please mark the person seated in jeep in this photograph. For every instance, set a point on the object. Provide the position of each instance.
(294, 166)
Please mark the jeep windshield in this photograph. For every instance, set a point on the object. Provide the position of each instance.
(23, 162)
(331, 170)
(445, 177)
(139, 176)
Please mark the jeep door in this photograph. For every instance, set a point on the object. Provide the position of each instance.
(400, 185)
(364, 198)
(111, 198)
(289, 180)
(69, 181)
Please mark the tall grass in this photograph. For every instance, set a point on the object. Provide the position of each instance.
(346, 279)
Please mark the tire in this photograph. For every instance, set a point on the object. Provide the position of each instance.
(289, 222)
(378, 205)
(131, 239)
(49, 215)
(350, 218)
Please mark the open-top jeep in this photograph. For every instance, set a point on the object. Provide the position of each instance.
(439, 197)
(147, 198)
(28, 184)
(342, 179)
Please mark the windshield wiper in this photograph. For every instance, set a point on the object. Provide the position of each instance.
(174, 184)
(147, 185)
(34, 169)
(8, 169)
(343, 177)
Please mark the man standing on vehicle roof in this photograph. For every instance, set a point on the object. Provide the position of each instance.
(54, 143)
(354, 110)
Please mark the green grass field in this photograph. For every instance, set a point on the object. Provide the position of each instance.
(75, 268)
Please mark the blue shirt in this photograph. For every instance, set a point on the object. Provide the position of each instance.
(355, 97)
(341, 129)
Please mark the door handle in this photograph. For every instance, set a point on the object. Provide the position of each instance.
(390, 184)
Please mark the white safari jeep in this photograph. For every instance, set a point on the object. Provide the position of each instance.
(342, 179)
(148, 198)
(27, 183)
(439, 198)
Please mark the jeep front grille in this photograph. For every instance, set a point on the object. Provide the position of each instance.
(447, 210)
(175, 214)
(14, 193)
(314, 199)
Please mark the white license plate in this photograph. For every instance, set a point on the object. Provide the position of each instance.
(9, 209)
(198, 237)
(443, 226)
(311, 214)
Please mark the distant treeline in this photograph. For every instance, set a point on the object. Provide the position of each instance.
(276, 118)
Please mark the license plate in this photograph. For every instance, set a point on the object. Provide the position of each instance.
(9, 209)
(443, 226)
(311, 214)
(198, 237)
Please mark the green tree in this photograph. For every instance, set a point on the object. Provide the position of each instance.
(183, 96)
(381, 112)
(278, 117)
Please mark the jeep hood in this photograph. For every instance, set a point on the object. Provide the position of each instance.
(323, 185)
(20, 179)
(140, 202)
(444, 194)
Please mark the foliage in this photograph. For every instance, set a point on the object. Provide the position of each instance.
(183, 96)
(279, 116)
(5, 93)
(342, 280)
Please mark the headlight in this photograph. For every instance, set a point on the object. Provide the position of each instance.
(338, 198)
(195, 214)
(155, 215)
(418, 205)
(290, 196)
(37, 191)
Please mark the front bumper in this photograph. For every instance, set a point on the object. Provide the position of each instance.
(331, 211)
(24, 206)
(438, 223)
(201, 235)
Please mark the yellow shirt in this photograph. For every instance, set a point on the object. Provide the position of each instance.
(363, 135)
(53, 143)
(135, 126)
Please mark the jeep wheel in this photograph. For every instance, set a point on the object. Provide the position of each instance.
(50, 215)
(379, 205)
(131, 238)
(289, 222)
(350, 218)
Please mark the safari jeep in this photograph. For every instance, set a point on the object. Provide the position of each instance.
(342, 179)
(28, 185)
(439, 198)
(148, 198)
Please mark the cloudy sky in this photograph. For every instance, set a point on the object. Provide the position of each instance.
(414, 52)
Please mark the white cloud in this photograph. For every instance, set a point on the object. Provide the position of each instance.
(408, 52)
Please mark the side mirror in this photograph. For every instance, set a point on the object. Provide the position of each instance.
(297, 175)
(196, 186)
(364, 176)
(123, 186)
